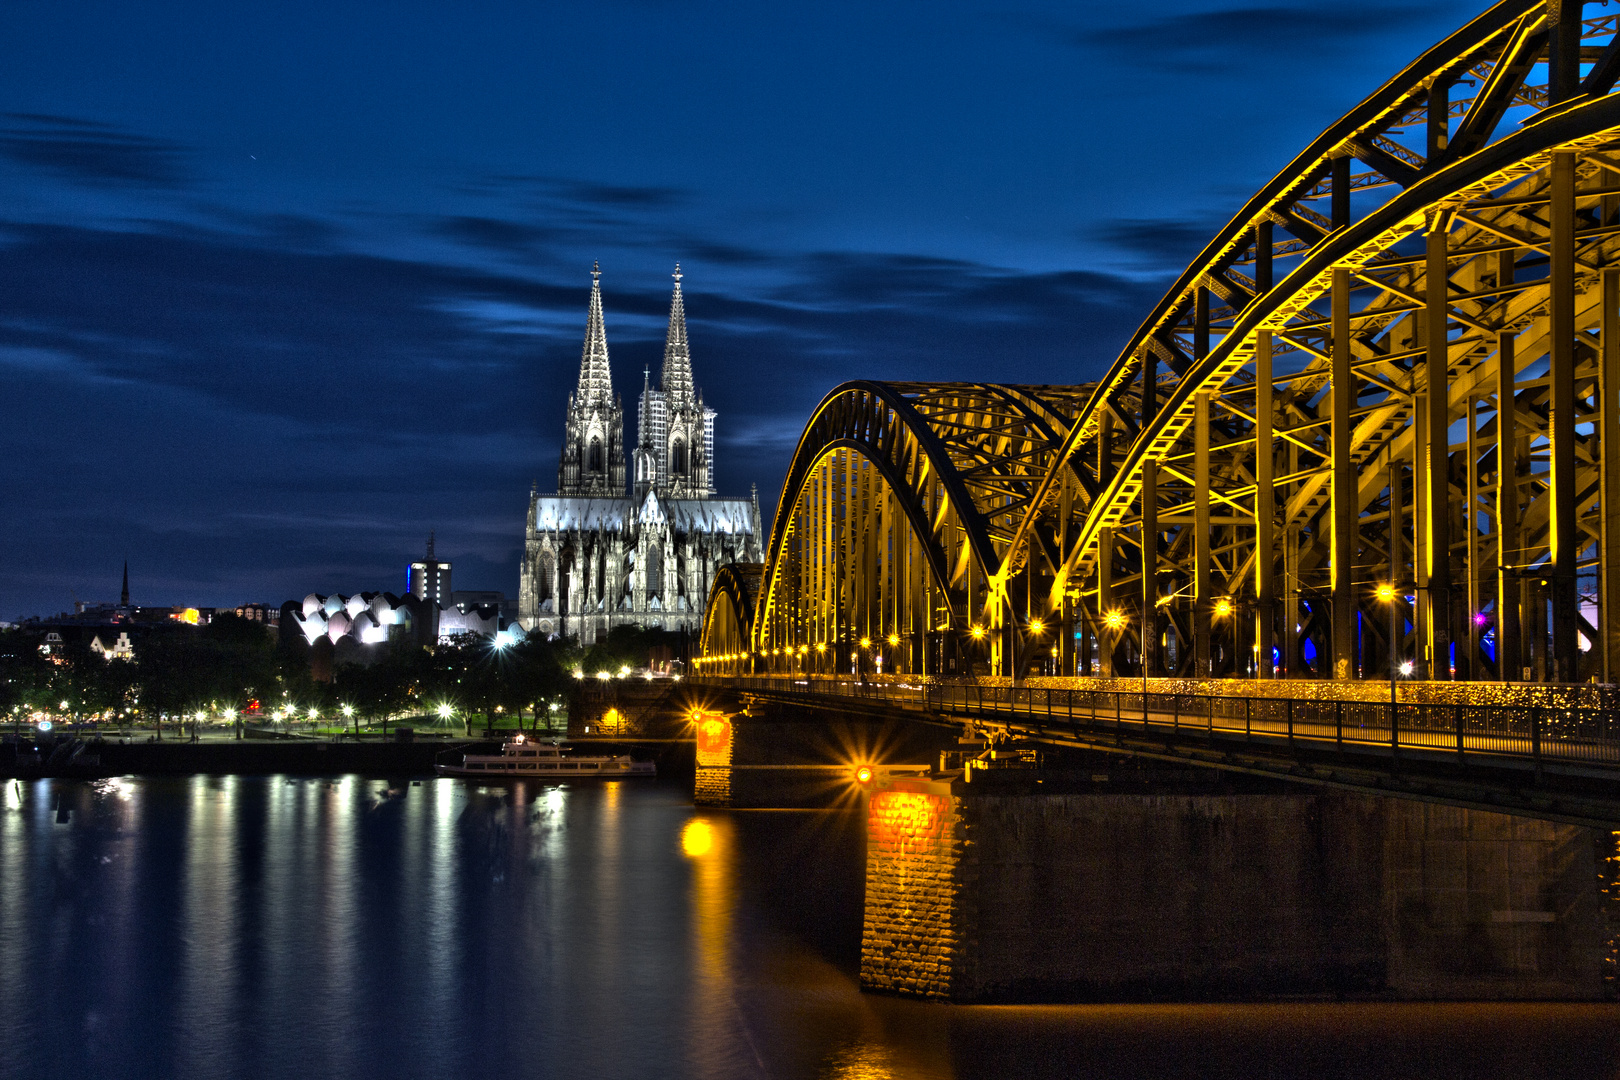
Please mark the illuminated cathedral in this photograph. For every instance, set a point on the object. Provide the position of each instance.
(632, 537)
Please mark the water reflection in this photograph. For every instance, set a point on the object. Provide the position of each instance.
(287, 927)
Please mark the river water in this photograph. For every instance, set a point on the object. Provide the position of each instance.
(358, 927)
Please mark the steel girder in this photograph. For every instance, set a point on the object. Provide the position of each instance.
(896, 514)
(728, 619)
(1319, 394)
(1374, 421)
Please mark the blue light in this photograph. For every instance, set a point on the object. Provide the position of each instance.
(44, 725)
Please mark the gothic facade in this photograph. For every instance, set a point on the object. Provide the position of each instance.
(609, 550)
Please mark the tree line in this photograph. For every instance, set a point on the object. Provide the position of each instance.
(236, 667)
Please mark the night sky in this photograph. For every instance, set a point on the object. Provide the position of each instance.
(285, 286)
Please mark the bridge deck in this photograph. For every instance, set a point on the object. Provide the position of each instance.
(1550, 761)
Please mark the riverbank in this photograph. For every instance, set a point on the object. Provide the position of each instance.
(95, 758)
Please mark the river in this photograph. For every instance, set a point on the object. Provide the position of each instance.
(360, 927)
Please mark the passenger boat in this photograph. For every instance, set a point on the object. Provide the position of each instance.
(525, 758)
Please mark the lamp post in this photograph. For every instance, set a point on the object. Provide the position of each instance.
(1387, 594)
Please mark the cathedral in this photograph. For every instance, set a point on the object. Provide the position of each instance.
(632, 537)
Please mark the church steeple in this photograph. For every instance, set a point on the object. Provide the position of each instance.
(676, 380)
(123, 597)
(593, 443)
(595, 375)
(684, 455)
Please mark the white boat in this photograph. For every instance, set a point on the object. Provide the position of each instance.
(546, 761)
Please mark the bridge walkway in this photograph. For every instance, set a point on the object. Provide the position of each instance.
(1557, 762)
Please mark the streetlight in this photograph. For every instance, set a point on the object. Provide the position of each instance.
(1388, 596)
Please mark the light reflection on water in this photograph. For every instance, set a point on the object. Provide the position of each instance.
(276, 927)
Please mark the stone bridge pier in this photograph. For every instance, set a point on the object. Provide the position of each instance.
(1100, 890)
(774, 755)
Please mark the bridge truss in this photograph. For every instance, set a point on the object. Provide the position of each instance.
(1373, 422)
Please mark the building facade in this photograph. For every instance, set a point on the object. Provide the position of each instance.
(610, 550)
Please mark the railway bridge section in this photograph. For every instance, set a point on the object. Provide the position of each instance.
(1343, 515)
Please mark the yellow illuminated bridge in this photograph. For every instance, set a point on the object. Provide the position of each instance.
(1369, 438)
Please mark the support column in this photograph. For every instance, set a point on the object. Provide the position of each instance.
(1202, 598)
(1107, 639)
(1471, 553)
(1149, 628)
(1397, 556)
(1343, 548)
(1509, 654)
(1265, 505)
(1609, 498)
(1565, 540)
(1436, 472)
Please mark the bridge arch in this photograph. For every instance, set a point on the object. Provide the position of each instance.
(1375, 421)
(1327, 428)
(728, 620)
(895, 515)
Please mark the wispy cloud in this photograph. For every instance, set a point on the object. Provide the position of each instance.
(1231, 39)
(90, 152)
(1156, 243)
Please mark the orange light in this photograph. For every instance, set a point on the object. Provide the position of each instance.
(1115, 619)
(697, 838)
(821, 646)
(1037, 627)
(713, 738)
(1223, 607)
(1386, 592)
(909, 821)
(866, 643)
(894, 639)
(978, 633)
(863, 775)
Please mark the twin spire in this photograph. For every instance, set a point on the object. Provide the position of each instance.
(676, 381)
(595, 374)
(595, 377)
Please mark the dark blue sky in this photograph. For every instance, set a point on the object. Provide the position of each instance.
(282, 289)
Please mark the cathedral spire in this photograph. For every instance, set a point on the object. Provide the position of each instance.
(593, 440)
(123, 598)
(676, 380)
(595, 377)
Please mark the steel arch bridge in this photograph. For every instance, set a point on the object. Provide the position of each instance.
(1374, 421)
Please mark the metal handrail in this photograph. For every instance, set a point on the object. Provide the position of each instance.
(1567, 734)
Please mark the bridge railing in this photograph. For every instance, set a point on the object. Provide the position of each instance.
(1564, 735)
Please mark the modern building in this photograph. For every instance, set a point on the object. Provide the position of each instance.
(597, 555)
(429, 579)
